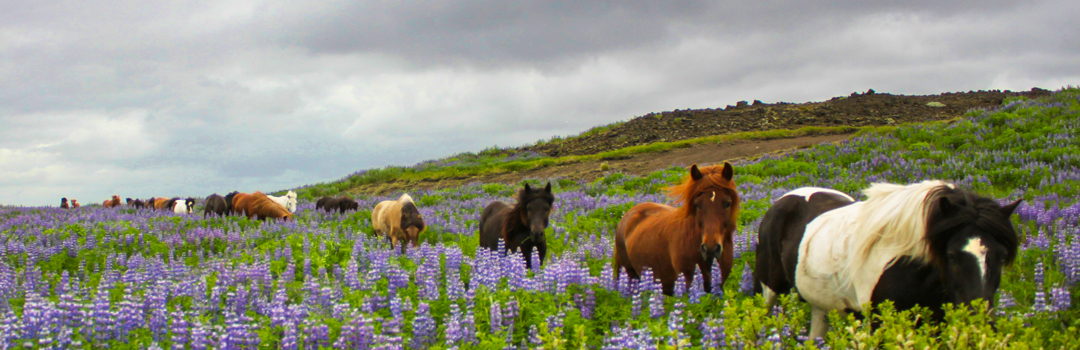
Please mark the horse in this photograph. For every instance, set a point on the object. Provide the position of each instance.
(339, 204)
(520, 226)
(158, 203)
(230, 199)
(138, 204)
(129, 201)
(233, 199)
(64, 203)
(673, 241)
(215, 204)
(75, 203)
(112, 203)
(258, 205)
(398, 220)
(288, 201)
(181, 206)
(928, 244)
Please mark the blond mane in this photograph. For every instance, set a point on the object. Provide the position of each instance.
(892, 223)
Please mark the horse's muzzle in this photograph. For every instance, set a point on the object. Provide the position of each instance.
(711, 252)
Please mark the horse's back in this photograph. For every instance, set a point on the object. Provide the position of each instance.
(491, 223)
(636, 223)
(823, 256)
(639, 242)
(381, 220)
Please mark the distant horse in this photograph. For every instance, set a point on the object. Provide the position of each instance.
(673, 241)
(64, 203)
(258, 205)
(181, 206)
(230, 200)
(158, 203)
(215, 204)
(521, 226)
(138, 204)
(129, 201)
(927, 244)
(339, 204)
(112, 203)
(398, 220)
(288, 201)
(75, 203)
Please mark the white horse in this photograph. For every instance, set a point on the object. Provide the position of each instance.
(288, 201)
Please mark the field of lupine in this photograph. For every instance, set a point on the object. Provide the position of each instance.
(120, 278)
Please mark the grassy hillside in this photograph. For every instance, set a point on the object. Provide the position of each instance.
(118, 278)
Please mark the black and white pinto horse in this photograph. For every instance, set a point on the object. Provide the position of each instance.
(927, 244)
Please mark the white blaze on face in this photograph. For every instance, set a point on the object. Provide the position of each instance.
(977, 249)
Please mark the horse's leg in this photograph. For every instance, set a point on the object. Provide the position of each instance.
(819, 323)
(771, 298)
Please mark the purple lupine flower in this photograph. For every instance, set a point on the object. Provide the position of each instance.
(289, 340)
(534, 337)
(697, 287)
(635, 308)
(656, 305)
(675, 324)
(495, 315)
(1060, 299)
(454, 332)
(1005, 301)
(423, 327)
(1039, 274)
(680, 286)
(590, 305)
(746, 286)
(179, 329)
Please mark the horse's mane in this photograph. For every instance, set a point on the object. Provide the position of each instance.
(712, 177)
(893, 222)
(405, 198)
(967, 208)
(513, 218)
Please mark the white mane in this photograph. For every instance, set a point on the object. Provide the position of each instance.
(405, 198)
(892, 223)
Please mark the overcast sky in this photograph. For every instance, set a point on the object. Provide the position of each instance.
(144, 98)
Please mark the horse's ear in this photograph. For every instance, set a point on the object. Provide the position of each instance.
(547, 189)
(695, 173)
(728, 171)
(527, 189)
(1008, 209)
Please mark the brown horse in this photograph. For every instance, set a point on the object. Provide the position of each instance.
(75, 203)
(64, 203)
(258, 205)
(112, 203)
(398, 220)
(672, 240)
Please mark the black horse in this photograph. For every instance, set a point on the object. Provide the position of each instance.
(340, 204)
(216, 204)
(521, 226)
(927, 244)
(229, 201)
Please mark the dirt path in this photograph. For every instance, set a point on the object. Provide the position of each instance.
(640, 164)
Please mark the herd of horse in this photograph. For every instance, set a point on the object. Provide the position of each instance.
(928, 243)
